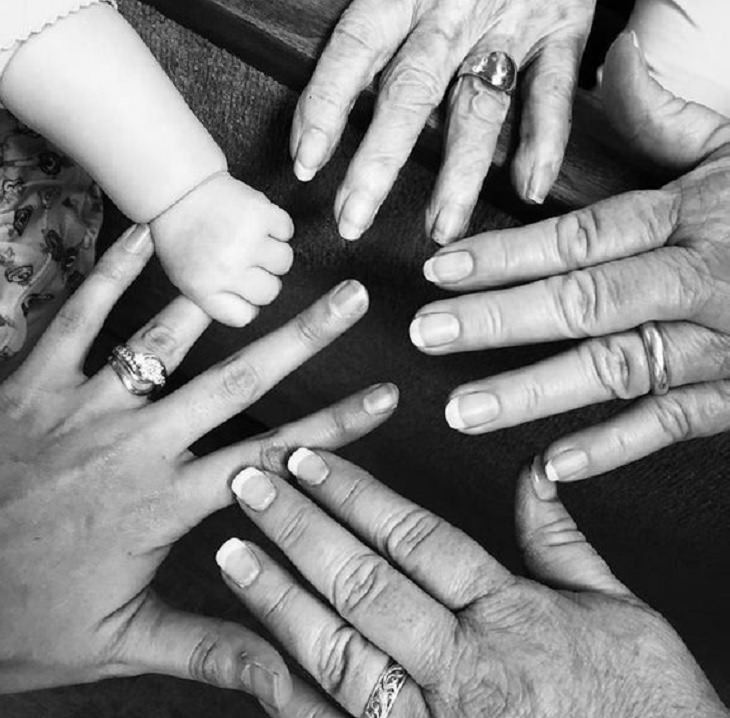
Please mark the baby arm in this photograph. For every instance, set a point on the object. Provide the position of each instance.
(90, 85)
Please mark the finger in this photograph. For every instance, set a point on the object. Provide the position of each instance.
(554, 550)
(205, 483)
(595, 371)
(305, 702)
(444, 561)
(259, 287)
(651, 424)
(660, 125)
(549, 87)
(169, 337)
(229, 308)
(619, 227)
(380, 602)
(276, 257)
(413, 85)
(220, 653)
(342, 661)
(282, 225)
(589, 302)
(66, 342)
(233, 385)
(363, 41)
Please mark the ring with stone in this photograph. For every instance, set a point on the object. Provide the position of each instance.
(496, 69)
(140, 373)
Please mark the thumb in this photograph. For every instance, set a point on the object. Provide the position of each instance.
(221, 653)
(554, 550)
(667, 129)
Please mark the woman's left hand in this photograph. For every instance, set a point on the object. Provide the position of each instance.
(600, 274)
(475, 640)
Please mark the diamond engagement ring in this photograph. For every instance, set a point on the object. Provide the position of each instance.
(140, 373)
(497, 70)
(385, 692)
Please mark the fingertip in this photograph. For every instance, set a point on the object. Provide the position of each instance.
(230, 309)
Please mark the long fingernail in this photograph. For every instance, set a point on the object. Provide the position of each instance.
(381, 399)
(540, 183)
(136, 238)
(567, 466)
(472, 410)
(449, 224)
(254, 488)
(544, 490)
(434, 330)
(238, 562)
(262, 683)
(449, 267)
(312, 151)
(350, 299)
(356, 215)
(308, 467)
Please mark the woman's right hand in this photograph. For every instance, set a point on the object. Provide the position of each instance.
(96, 484)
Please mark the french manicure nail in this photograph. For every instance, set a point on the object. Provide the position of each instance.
(254, 488)
(308, 467)
(356, 216)
(472, 410)
(311, 154)
(262, 683)
(448, 267)
(434, 330)
(381, 399)
(349, 299)
(136, 238)
(544, 490)
(238, 562)
(567, 466)
(449, 224)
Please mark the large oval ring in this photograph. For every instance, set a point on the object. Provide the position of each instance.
(140, 373)
(385, 691)
(497, 70)
(656, 358)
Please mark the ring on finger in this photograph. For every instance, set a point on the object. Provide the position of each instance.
(140, 373)
(496, 69)
(656, 358)
(386, 690)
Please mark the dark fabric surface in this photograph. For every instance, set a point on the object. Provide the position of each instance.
(662, 523)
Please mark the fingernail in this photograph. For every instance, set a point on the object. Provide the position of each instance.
(254, 488)
(544, 490)
(308, 467)
(350, 299)
(311, 154)
(434, 330)
(381, 399)
(540, 183)
(356, 215)
(262, 683)
(449, 267)
(472, 410)
(136, 238)
(238, 562)
(567, 466)
(448, 225)
(635, 40)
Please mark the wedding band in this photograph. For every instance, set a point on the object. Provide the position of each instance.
(140, 373)
(497, 70)
(386, 690)
(655, 355)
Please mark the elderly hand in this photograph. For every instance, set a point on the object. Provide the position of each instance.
(96, 484)
(423, 43)
(397, 582)
(599, 274)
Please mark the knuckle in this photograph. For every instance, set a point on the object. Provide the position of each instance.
(411, 88)
(576, 239)
(294, 527)
(358, 583)
(239, 380)
(279, 608)
(488, 319)
(407, 532)
(337, 652)
(695, 282)
(310, 331)
(159, 338)
(614, 368)
(675, 419)
(272, 451)
(211, 662)
(579, 302)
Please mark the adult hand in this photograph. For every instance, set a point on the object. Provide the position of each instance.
(598, 274)
(423, 43)
(96, 484)
(400, 583)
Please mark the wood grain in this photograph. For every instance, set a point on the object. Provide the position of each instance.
(284, 38)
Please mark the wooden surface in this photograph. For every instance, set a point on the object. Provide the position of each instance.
(284, 38)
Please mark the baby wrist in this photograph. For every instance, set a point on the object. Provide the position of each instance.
(181, 198)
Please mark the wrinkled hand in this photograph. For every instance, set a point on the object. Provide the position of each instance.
(398, 582)
(96, 484)
(422, 44)
(597, 274)
(225, 246)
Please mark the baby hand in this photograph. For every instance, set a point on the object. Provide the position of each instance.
(224, 247)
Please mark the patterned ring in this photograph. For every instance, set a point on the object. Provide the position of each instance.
(140, 373)
(656, 358)
(497, 70)
(385, 692)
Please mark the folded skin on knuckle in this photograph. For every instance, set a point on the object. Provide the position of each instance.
(576, 238)
(614, 367)
(676, 420)
(358, 583)
(410, 88)
(484, 320)
(212, 661)
(159, 339)
(581, 302)
(311, 327)
(239, 380)
(294, 527)
(337, 653)
(272, 452)
(406, 532)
